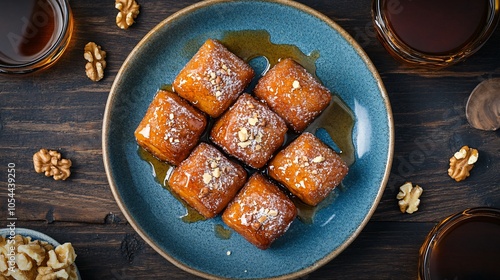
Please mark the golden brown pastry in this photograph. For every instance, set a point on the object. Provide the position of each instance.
(249, 131)
(213, 78)
(207, 180)
(308, 168)
(260, 212)
(171, 128)
(293, 93)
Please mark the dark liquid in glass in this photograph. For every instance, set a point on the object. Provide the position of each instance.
(28, 28)
(437, 26)
(471, 250)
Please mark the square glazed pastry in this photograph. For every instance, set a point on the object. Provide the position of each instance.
(308, 168)
(213, 78)
(171, 128)
(207, 180)
(293, 93)
(249, 131)
(260, 212)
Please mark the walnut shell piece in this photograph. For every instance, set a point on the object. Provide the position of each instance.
(128, 11)
(51, 163)
(96, 61)
(462, 162)
(408, 197)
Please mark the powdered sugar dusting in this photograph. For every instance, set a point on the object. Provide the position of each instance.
(170, 128)
(218, 179)
(250, 131)
(145, 131)
(215, 76)
(307, 167)
(293, 93)
(177, 119)
(263, 208)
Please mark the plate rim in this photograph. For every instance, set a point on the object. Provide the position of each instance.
(303, 8)
(31, 233)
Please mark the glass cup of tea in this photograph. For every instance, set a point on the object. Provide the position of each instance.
(465, 245)
(33, 34)
(434, 33)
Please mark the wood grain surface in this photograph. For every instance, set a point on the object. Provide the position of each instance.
(61, 109)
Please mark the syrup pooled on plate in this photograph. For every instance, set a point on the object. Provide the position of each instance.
(337, 120)
(161, 171)
(250, 44)
(222, 232)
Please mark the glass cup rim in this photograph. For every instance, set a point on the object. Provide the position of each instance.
(407, 54)
(441, 229)
(55, 50)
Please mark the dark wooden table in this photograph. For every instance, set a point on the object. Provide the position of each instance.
(60, 108)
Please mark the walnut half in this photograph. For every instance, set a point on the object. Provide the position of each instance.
(409, 197)
(96, 63)
(51, 163)
(128, 11)
(36, 260)
(462, 162)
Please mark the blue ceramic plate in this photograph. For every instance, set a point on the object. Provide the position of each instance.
(154, 213)
(35, 235)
